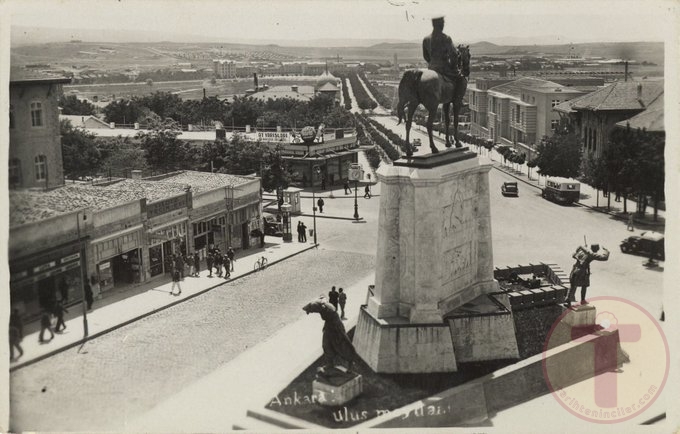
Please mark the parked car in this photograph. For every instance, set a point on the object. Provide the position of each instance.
(272, 226)
(648, 243)
(510, 189)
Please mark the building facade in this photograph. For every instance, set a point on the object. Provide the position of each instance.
(517, 113)
(34, 141)
(122, 232)
(596, 114)
(224, 68)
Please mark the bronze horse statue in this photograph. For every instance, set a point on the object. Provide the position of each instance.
(429, 88)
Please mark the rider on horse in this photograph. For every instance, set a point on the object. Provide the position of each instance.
(439, 52)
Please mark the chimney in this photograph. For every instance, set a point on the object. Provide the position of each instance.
(639, 91)
(136, 174)
(255, 79)
(204, 93)
(625, 73)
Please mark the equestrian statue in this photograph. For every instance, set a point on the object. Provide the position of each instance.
(444, 82)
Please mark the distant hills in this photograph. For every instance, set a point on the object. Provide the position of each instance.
(348, 49)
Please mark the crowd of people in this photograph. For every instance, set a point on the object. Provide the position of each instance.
(221, 263)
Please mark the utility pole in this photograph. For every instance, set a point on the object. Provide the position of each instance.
(82, 281)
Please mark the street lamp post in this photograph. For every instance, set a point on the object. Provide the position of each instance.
(82, 281)
(317, 170)
(356, 204)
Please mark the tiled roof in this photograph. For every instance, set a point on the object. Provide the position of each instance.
(515, 87)
(152, 190)
(264, 96)
(31, 206)
(328, 87)
(622, 95)
(80, 120)
(651, 119)
(205, 181)
(22, 75)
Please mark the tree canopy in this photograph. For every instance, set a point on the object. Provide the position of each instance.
(80, 155)
(71, 105)
(560, 154)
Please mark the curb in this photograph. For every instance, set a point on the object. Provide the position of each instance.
(616, 216)
(146, 314)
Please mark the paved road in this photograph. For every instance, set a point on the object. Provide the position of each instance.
(124, 374)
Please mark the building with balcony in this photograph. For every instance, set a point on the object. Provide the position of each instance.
(517, 113)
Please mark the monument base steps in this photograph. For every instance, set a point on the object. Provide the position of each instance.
(337, 394)
(398, 347)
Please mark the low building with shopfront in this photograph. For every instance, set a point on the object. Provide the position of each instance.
(224, 209)
(121, 233)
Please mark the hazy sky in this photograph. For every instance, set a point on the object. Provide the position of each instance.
(282, 20)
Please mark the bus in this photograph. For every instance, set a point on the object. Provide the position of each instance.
(562, 190)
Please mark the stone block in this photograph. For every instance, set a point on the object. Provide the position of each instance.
(395, 346)
(581, 315)
(332, 393)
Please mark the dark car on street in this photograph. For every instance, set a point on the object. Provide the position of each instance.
(510, 189)
(649, 244)
(272, 226)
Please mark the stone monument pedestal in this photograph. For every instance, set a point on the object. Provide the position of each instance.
(434, 255)
(337, 389)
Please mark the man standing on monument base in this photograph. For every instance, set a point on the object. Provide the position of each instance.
(439, 52)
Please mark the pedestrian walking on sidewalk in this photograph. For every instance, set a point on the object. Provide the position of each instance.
(209, 261)
(230, 255)
(45, 324)
(367, 192)
(219, 260)
(197, 264)
(59, 311)
(227, 267)
(16, 333)
(348, 190)
(190, 262)
(63, 290)
(333, 298)
(89, 298)
(175, 282)
(342, 300)
(631, 223)
(320, 203)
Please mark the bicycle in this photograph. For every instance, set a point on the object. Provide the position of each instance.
(260, 264)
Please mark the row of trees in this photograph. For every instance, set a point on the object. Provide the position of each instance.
(379, 96)
(364, 100)
(632, 164)
(377, 138)
(284, 112)
(345, 94)
(160, 150)
(71, 105)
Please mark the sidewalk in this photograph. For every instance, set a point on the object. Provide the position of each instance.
(103, 319)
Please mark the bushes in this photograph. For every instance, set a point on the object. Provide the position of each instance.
(373, 157)
(364, 101)
(345, 94)
(392, 152)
